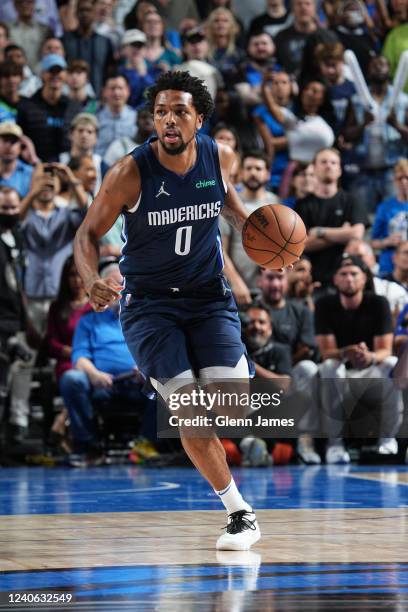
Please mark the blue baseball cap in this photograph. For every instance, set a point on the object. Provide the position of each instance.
(53, 60)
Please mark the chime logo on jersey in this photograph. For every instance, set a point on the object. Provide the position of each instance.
(202, 184)
(184, 213)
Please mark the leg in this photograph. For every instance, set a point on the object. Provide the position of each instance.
(76, 391)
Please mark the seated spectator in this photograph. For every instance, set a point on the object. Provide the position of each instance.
(45, 12)
(308, 127)
(195, 53)
(226, 134)
(261, 58)
(27, 32)
(176, 12)
(271, 131)
(46, 116)
(332, 217)
(222, 31)
(116, 118)
(104, 373)
(123, 146)
(239, 269)
(105, 24)
(396, 295)
(378, 141)
(159, 55)
(352, 34)
(79, 87)
(300, 283)
(291, 41)
(11, 76)
(83, 136)
(303, 184)
(292, 324)
(13, 172)
(86, 44)
(330, 60)
(395, 44)
(29, 83)
(135, 68)
(390, 226)
(50, 46)
(354, 334)
(229, 109)
(400, 259)
(4, 39)
(276, 18)
(49, 231)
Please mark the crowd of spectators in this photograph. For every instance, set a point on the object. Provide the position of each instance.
(72, 81)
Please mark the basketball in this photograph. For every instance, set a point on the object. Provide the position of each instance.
(274, 236)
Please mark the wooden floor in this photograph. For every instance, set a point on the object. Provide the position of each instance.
(106, 539)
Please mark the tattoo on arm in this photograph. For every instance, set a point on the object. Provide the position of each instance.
(234, 217)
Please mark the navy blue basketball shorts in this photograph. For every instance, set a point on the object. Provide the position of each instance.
(174, 331)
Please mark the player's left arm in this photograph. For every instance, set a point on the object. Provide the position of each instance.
(233, 211)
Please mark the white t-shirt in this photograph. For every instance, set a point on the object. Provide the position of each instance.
(306, 136)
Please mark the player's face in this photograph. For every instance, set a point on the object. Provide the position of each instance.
(176, 120)
(350, 280)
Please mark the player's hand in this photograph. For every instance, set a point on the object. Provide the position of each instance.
(101, 380)
(103, 293)
(241, 292)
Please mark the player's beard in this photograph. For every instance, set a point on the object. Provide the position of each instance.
(176, 150)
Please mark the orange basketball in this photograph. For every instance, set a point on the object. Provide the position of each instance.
(274, 236)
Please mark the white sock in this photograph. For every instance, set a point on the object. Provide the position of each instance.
(232, 498)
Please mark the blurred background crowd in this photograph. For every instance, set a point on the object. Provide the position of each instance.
(72, 79)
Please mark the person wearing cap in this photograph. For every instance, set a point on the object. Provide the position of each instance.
(83, 136)
(135, 68)
(46, 116)
(195, 52)
(79, 88)
(354, 335)
(27, 32)
(13, 172)
(86, 44)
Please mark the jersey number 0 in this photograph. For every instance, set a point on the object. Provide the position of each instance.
(183, 240)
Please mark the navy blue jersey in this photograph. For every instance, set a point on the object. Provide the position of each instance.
(171, 234)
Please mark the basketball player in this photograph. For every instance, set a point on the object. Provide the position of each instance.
(178, 315)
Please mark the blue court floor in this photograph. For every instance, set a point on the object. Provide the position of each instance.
(225, 584)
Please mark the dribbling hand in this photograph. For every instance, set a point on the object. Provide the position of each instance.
(103, 293)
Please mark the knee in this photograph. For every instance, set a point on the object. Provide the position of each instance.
(332, 368)
(388, 364)
(74, 380)
(306, 369)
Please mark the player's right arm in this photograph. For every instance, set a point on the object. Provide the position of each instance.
(120, 189)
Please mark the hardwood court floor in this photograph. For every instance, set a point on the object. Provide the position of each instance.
(333, 538)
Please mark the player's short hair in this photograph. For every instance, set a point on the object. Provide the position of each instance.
(182, 81)
(256, 154)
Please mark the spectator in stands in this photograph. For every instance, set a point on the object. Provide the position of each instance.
(303, 183)
(329, 58)
(300, 283)
(79, 87)
(48, 231)
(116, 118)
(30, 83)
(291, 41)
(292, 324)
(4, 39)
(229, 109)
(390, 226)
(100, 356)
(271, 131)
(11, 76)
(240, 270)
(195, 52)
(222, 31)
(83, 136)
(396, 295)
(378, 141)
(261, 58)
(226, 134)
(123, 146)
(351, 31)
(395, 44)
(331, 216)
(400, 272)
(276, 18)
(13, 172)
(308, 127)
(50, 46)
(27, 32)
(46, 116)
(85, 44)
(135, 68)
(104, 23)
(354, 334)
(81, 187)
(159, 56)
(174, 12)
(45, 12)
